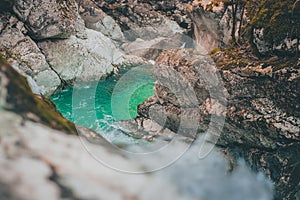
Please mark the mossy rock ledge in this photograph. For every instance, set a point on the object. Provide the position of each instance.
(20, 99)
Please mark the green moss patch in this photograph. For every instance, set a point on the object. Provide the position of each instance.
(280, 20)
(233, 57)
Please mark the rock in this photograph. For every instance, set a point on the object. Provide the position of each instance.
(47, 19)
(262, 125)
(258, 40)
(23, 53)
(273, 30)
(182, 88)
(264, 48)
(108, 27)
(134, 60)
(287, 45)
(97, 20)
(48, 155)
(140, 47)
(206, 30)
(19, 98)
(82, 59)
(63, 167)
(132, 14)
(48, 81)
(212, 27)
(259, 125)
(150, 49)
(162, 28)
(141, 20)
(80, 29)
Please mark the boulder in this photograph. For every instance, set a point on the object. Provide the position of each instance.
(151, 48)
(23, 53)
(258, 40)
(82, 59)
(108, 27)
(98, 20)
(47, 19)
(132, 14)
(141, 19)
(162, 27)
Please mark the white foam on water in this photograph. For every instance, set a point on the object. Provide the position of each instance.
(206, 179)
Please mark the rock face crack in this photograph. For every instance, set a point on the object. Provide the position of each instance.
(63, 83)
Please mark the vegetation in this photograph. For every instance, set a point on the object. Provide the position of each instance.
(279, 19)
(241, 56)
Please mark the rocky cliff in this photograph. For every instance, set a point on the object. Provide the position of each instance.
(248, 105)
(261, 94)
(262, 110)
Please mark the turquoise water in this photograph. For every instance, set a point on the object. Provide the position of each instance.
(98, 105)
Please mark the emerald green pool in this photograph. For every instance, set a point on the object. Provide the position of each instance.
(98, 105)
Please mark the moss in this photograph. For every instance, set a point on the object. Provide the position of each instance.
(280, 19)
(229, 64)
(8, 54)
(282, 63)
(27, 64)
(214, 51)
(232, 57)
(22, 101)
